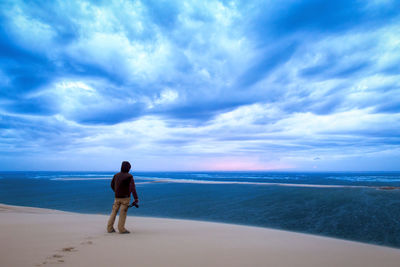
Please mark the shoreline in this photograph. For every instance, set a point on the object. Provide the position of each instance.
(45, 237)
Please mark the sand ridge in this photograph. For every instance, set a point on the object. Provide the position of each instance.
(55, 238)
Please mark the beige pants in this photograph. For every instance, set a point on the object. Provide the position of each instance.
(123, 203)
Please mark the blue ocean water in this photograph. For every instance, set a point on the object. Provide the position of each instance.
(360, 206)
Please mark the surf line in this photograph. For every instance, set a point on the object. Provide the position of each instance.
(192, 181)
(170, 180)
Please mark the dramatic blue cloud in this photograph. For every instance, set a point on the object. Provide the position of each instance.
(210, 84)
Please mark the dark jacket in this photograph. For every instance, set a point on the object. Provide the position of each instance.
(123, 183)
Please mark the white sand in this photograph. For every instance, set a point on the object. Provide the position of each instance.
(40, 237)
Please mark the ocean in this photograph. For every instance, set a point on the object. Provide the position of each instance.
(358, 206)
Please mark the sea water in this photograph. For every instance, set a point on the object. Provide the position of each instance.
(359, 206)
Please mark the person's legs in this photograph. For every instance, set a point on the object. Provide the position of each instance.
(110, 225)
(122, 214)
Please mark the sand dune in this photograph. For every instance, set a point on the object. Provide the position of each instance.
(41, 237)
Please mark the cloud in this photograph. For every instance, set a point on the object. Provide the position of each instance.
(270, 83)
(319, 17)
(270, 61)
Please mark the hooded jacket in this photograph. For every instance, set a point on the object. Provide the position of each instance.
(123, 183)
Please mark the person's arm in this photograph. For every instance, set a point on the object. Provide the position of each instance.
(132, 189)
(113, 183)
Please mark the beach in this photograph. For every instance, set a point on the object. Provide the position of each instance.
(45, 237)
(249, 133)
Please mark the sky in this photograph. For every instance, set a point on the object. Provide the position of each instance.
(307, 85)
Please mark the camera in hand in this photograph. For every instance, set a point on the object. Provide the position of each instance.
(134, 204)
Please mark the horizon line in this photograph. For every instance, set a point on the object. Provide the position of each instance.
(294, 171)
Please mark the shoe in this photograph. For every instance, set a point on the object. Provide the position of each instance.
(125, 232)
(112, 231)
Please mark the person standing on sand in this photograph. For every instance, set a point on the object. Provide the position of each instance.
(123, 185)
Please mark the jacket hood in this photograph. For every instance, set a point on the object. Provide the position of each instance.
(125, 166)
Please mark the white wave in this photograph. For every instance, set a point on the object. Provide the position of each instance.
(80, 179)
(369, 178)
(272, 177)
(41, 176)
(92, 179)
(138, 183)
(83, 175)
(202, 175)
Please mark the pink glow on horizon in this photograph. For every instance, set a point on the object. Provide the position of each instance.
(244, 165)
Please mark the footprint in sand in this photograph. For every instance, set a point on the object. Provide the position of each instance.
(69, 249)
(50, 260)
(87, 241)
(59, 257)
